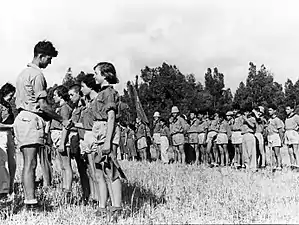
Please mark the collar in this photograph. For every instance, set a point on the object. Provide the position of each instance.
(32, 65)
(291, 115)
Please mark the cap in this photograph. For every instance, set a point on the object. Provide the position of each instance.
(175, 109)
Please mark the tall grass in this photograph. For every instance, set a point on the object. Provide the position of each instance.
(157, 193)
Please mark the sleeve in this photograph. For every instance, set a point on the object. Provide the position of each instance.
(65, 112)
(40, 87)
(296, 119)
(111, 99)
(279, 124)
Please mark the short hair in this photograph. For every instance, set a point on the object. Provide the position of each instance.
(6, 89)
(45, 48)
(292, 106)
(108, 71)
(272, 106)
(76, 87)
(62, 92)
(90, 82)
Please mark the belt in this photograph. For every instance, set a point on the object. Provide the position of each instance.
(194, 132)
(222, 132)
(177, 133)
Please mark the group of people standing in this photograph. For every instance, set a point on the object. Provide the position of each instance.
(236, 138)
(84, 127)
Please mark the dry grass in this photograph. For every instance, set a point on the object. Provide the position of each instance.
(157, 193)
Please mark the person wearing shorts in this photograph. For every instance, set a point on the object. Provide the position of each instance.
(192, 134)
(211, 138)
(165, 141)
(130, 142)
(275, 130)
(291, 138)
(222, 140)
(178, 127)
(7, 148)
(29, 126)
(249, 141)
(201, 155)
(237, 139)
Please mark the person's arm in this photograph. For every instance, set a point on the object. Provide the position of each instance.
(126, 137)
(65, 114)
(250, 122)
(110, 129)
(280, 127)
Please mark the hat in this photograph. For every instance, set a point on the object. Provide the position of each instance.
(261, 109)
(229, 113)
(174, 109)
(156, 114)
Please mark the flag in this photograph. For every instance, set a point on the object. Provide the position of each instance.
(139, 109)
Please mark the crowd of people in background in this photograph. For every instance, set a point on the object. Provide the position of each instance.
(86, 127)
(237, 138)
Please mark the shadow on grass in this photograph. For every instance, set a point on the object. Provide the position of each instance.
(136, 197)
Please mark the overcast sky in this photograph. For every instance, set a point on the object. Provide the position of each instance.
(193, 35)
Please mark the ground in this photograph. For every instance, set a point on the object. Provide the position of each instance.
(183, 194)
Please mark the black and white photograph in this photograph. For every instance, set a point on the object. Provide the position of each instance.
(149, 112)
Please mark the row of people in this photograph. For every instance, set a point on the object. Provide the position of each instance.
(81, 128)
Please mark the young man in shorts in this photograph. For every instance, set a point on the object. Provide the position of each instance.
(275, 131)
(237, 139)
(29, 126)
(201, 156)
(211, 138)
(193, 134)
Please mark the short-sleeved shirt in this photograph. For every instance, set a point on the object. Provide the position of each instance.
(165, 131)
(65, 111)
(141, 131)
(194, 126)
(213, 126)
(202, 127)
(260, 125)
(274, 124)
(237, 124)
(245, 127)
(106, 100)
(223, 127)
(292, 122)
(178, 125)
(157, 127)
(31, 85)
(6, 114)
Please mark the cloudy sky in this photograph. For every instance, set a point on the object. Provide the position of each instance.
(192, 34)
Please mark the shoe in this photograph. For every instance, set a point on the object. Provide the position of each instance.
(101, 212)
(115, 213)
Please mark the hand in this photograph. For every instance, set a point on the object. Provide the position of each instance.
(106, 148)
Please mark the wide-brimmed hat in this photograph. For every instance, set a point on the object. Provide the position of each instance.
(175, 109)
(229, 113)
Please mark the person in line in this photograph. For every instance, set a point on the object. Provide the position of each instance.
(275, 132)
(7, 148)
(130, 142)
(78, 107)
(29, 125)
(291, 138)
(201, 154)
(211, 137)
(165, 140)
(192, 134)
(249, 141)
(237, 139)
(141, 137)
(178, 127)
(156, 134)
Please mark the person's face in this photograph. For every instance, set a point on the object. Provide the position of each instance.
(74, 97)
(45, 60)
(288, 110)
(85, 90)
(156, 118)
(56, 97)
(216, 116)
(271, 111)
(98, 76)
(174, 115)
(9, 96)
(137, 120)
(228, 117)
(192, 116)
(162, 123)
(200, 116)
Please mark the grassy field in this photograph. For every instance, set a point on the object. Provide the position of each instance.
(184, 194)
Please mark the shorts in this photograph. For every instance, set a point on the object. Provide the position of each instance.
(141, 143)
(221, 139)
(56, 138)
(237, 137)
(201, 138)
(29, 129)
(157, 138)
(211, 136)
(291, 137)
(193, 138)
(274, 140)
(178, 139)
